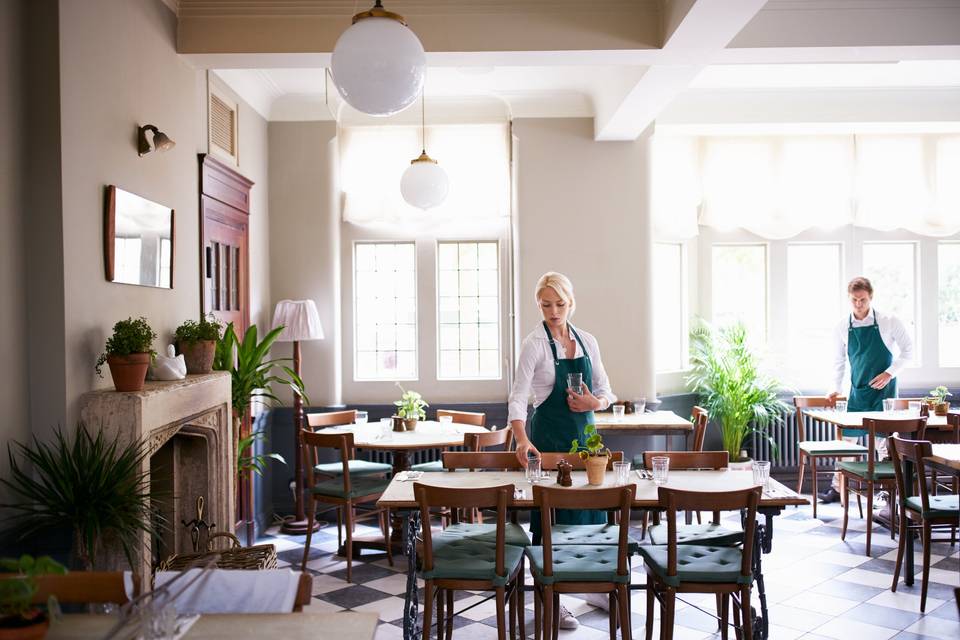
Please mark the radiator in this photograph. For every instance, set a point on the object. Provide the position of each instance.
(784, 433)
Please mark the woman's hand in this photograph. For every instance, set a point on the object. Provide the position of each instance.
(524, 450)
(581, 402)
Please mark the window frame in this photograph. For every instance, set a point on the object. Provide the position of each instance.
(685, 286)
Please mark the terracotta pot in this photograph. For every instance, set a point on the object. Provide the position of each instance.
(30, 631)
(942, 408)
(596, 469)
(130, 371)
(198, 355)
(410, 424)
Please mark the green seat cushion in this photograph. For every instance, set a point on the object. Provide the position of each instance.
(357, 468)
(881, 470)
(578, 563)
(608, 534)
(712, 534)
(436, 465)
(362, 486)
(513, 533)
(697, 563)
(940, 506)
(458, 558)
(832, 448)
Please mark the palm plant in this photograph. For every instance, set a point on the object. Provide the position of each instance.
(737, 394)
(95, 486)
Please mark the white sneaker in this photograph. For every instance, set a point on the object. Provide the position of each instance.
(598, 600)
(567, 621)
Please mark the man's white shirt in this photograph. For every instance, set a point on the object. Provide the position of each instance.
(894, 335)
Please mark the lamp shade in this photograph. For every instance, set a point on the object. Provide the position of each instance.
(424, 184)
(299, 319)
(378, 65)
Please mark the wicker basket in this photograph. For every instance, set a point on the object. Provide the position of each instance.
(261, 556)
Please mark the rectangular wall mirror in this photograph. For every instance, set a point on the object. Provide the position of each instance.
(138, 240)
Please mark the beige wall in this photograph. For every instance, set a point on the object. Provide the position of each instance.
(583, 211)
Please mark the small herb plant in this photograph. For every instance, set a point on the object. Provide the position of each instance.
(939, 395)
(191, 331)
(411, 405)
(593, 447)
(16, 594)
(129, 336)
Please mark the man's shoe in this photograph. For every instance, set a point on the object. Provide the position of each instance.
(882, 516)
(830, 496)
(567, 621)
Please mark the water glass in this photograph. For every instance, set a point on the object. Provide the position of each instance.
(361, 417)
(621, 473)
(841, 406)
(533, 470)
(888, 404)
(915, 407)
(639, 405)
(575, 382)
(661, 467)
(617, 413)
(761, 472)
(446, 422)
(386, 426)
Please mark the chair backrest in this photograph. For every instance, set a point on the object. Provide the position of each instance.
(902, 451)
(549, 460)
(700, 420)
(812, 402)
(490, 460)
(331, 418)
(884, 427)
(549, 498)
(902, 404)
(744, 500)
(680, 460)
(480, 441)
(940, 435)
(475, 418)
(311, 444)
(82, 587)
(499, 497)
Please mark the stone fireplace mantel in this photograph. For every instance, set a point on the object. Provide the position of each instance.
(187, 426)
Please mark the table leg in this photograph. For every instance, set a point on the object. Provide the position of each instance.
(411, 605)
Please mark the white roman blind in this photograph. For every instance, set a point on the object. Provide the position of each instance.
(475, 157)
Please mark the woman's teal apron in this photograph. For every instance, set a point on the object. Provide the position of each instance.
(869, 357)
(554, 426)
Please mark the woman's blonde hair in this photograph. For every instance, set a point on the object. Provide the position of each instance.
(559, 283)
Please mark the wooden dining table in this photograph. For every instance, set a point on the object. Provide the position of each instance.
(399, 497)
(652, 423)
(854, 419)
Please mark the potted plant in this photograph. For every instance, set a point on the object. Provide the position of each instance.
(92, 485)
(593, 453)
(410, 407)
(128, 352)
(937, 401)
(197, 341)
(737, 394)
(19, 616)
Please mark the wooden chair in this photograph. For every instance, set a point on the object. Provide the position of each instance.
(474, 418)
(872, 474)
(923, 511)
(85, 587)
(814, 450)
(460, 561)
(700, 420)
(486, 460)
(684, 568)
(471, 418)
(580, 568)
(344, 492)
(684, 460)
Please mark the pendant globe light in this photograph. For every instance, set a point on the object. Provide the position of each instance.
(424, 184)
(378, 63)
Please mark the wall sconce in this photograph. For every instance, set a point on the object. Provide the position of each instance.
(161, 141)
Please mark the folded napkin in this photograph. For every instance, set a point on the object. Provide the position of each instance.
(233, 591)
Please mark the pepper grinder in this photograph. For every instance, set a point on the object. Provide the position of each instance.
(564, 470)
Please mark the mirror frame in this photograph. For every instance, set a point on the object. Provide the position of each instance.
(109, 237)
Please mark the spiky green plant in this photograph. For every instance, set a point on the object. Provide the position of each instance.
(93, 485)
(726, 374)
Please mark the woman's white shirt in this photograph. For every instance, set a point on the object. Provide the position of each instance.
(895, 337)
(536, 372)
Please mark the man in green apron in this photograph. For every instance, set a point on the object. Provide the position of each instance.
(867, 340)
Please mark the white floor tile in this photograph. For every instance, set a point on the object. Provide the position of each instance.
(917, 557)
(394, 585)
(783, 633)
(821, 603)
(389, 609)
(839, 557)
(321, 606)
(879, 540)
(845, 629)
(903, 601)
(942, 576)
(387, 632)
(799, 619)
(325, 583)
(868, 578)
(933, 627)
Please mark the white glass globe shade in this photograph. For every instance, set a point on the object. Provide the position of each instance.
(424, 184)
(378, 66)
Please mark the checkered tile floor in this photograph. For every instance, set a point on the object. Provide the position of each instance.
(817, 587)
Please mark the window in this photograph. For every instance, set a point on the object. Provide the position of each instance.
(468, 290)
(739, 288)
(385, 311)
(892, 270)
(814, 305)
(670, 310)
(949, 267)
(128, 259)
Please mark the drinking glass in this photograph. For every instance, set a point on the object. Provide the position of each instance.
(639, 405)
(915, 407)
(361, 418)
(841, 406)
(661, 467)
(533, 470)
(621, 473)
(888, 404)
(446, 422)
(386, 426)
(618, 413)
(761, 472)
(575, 382)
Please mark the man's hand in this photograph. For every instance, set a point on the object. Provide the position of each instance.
(833, 396)
(581, 402)
(881, 380)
